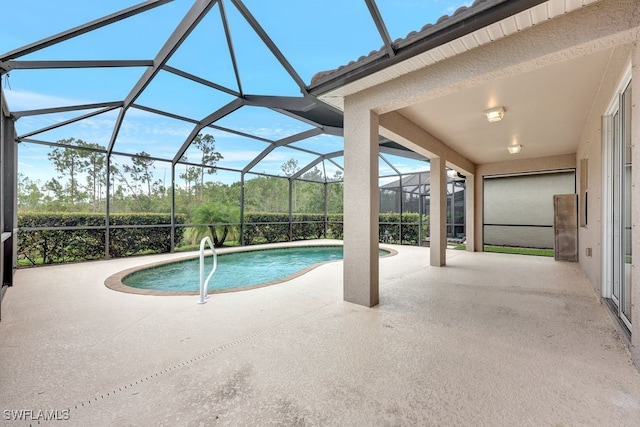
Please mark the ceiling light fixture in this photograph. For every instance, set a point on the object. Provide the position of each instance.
(514, 149)
(494, 114)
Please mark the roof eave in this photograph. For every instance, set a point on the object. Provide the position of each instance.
(475, 18)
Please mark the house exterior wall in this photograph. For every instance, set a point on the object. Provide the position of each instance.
(607, 24)
(591, 148)
(592, 165)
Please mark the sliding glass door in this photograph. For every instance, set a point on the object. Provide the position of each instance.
(619, 236)
(625, 202)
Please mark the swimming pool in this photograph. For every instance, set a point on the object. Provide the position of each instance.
(236, 271)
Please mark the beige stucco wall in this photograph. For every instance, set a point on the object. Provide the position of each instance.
(591, 148)
(361, 194)
(604, 25)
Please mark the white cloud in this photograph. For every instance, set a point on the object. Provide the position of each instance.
(97, 123)
(167, 130)
(25, 100)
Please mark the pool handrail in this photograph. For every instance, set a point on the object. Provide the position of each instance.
(205, 283)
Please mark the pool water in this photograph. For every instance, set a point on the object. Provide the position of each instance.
(235, 270)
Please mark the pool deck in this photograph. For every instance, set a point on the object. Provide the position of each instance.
(491, 339)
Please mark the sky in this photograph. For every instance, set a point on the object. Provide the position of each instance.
(312, 36)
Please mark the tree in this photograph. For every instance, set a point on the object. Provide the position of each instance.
(217, 220)
(207, 145)
(313, 175)
(69, 162)
(266, 194)
(290, 167)
(54, 195)
(335, 197)
(95, 165)
(29, 194)
(141, 169)
(190, 175)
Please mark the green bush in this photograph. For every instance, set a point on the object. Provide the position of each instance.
(274, 227)
(307, 226)
(126, 238)
(57, 246)
(390, 228)
(335, 227)
(266, 228)
(147, 240)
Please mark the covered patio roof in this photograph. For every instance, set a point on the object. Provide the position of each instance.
(535, 97)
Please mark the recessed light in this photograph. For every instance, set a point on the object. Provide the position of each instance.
(494, 114)
(514, 149)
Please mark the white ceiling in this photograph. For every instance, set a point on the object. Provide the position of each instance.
(546, 111)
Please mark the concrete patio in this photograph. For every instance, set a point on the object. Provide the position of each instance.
(490, 339)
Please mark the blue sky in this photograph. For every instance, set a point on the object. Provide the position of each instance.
(312, 36)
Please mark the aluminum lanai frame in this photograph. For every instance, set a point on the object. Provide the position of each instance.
(323, 118)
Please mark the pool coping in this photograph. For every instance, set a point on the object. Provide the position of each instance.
(114, 282)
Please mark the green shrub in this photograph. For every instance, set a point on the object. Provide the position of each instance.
(307, 226)
(57, 246)
(390, 227)
(126, 238)
(335, 227)
(266, 228)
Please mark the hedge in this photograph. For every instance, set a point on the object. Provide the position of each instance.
(56, 246)
(270, 227)
(274, 227)
(134, 241)
(390, 227)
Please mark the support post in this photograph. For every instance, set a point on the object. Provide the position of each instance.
(438, 212)
(469, 212)
(242, 209)
(478, 216)
(291, 184)
(9, 162)
(361, 206)
(173, 207)
(107, 207)
(326, 208)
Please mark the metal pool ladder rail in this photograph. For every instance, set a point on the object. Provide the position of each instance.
(205, 283)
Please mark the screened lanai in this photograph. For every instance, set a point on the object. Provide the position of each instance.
(127, 127)
(165, 116)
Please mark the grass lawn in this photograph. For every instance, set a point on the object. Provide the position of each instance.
(511, 250)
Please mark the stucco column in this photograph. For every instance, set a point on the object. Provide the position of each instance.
(469, 212)
(361, 205)
(438, 212)
(635, 207)
(479, 211)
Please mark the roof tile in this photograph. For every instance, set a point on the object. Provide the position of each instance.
(411, 37)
